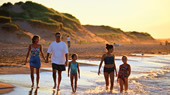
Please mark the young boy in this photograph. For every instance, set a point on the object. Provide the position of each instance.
(123, 74)
(73, 74)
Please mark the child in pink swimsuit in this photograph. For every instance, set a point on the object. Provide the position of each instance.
(123, 74)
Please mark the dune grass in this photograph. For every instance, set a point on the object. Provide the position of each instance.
(4, 19)
(139, 35)
(35, 12)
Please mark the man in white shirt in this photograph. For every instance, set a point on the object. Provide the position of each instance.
(59, 58)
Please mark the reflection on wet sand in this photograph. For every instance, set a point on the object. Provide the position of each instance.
(35, 92)
(57, 92)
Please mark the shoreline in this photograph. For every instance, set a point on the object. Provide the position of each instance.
(12, 56)
(16, 69)
(6, 88)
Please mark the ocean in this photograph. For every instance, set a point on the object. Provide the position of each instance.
(150, 76)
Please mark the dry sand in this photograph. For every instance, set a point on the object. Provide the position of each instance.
(12, 56)
(5, 88)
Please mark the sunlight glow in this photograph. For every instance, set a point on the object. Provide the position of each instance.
(152, 16)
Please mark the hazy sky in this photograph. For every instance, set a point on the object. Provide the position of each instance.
(152, 16)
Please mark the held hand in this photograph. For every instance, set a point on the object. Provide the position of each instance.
(46, 61)
(68, 74)
(25, 63)
(66, 63)
(117, 80)
(116, 74)
(99, 72)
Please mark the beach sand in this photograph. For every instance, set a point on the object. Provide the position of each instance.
(12, 56)
(5, 88)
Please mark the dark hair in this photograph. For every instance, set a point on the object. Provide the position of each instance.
(109, 46)
(34, 38)
(72, 56)
(124, 56)
(57, 33)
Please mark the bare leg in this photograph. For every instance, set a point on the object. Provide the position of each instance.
(32, 75)
(59, 79)
(75, 82)
(106, 76)
(71, 78)
(54, 78)
(111, 80)
(38, 76)
(126, 84)
(121, 85)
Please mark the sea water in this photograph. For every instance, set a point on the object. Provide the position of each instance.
(150, 75)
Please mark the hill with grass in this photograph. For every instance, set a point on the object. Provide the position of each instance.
(116, 35)
(23, 20)
(35, 19)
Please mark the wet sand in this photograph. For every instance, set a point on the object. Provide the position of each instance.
(5, 88)
(12, 56)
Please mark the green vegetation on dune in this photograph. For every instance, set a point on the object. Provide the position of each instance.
(10, 27)
(4, 19)
(7, 24)
(103, 28)
(37, 13)
(116, 34)
(40, 16)
(139, 35)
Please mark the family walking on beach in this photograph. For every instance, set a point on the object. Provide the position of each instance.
(59, 60)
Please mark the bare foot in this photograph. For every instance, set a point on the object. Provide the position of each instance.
(54, 86)
(58, 89)
(32, 85)
(107, 87)
(73, 91)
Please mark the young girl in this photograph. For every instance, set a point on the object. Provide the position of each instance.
(123, 74)
(34, 61)
(73, 74)
(109, 67)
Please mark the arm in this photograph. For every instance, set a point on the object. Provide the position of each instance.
(29, 48)
(78, 69)
(114, 65)
(69, 68)
(101, 62)
(41, 51)
(129, 71)
(48, 53)
(118, 74)
(66, 56)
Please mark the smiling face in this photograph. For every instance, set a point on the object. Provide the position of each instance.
(110, 50)
(74, 57)
(124, 59)
(58, 37)
(36, 40)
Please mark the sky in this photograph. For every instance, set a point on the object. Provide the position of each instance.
(151, 16)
